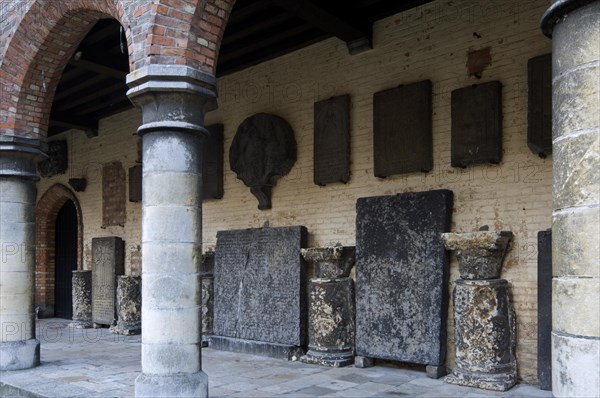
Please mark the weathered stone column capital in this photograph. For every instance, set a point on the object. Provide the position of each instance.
(172, 97)
(19, 156)
(558, 10)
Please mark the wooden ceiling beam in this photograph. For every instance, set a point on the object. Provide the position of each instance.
(59, 123)
(356, 38)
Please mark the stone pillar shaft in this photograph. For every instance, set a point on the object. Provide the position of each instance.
(19, 349)
(575, 30)
(173, 100)
(331, 322)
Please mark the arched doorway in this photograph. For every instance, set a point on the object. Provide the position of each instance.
(65, 251)
(58, 224)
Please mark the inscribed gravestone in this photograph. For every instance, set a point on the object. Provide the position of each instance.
(402, 276)
(539, 108)
(545, 309)
(476, 124)
(259, 285)
(107, 256)
(402, 135)
(332, 140)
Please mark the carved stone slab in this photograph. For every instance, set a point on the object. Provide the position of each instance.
(58, 159)
(332, 140)
(212, 163)
(402, 276)
(260, 286)
(135, 183)
(262, 151)
(107, 256)
(113, 194)
(545, 309)
(477, 124)
(402, 138)
(539, 109)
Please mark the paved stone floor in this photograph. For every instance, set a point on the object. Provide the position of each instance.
(95, 363)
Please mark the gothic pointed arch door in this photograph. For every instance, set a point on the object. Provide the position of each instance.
(66, 259)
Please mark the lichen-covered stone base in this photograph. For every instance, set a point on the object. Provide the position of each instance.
(485, 334)
(331, 322)
(129, 305)
(82, 299)
(487, 381)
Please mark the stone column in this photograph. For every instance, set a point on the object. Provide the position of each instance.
(574, 26)
(19, 349)
(129, 305)
(173, 100)
(208, 281)
(484, 318)
(82, 299)
(331, 307)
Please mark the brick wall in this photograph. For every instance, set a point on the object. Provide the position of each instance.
(430, 42)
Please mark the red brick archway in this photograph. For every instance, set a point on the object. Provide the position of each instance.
(46, 212)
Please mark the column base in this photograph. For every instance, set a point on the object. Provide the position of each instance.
(272, 350)
(333, 359)
(126, 330)
(172, 386)
(487, 381)
(17, 355)
(81, 325)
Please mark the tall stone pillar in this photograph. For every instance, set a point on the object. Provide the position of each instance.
(173, 100)
(575, 29)
(19, 349)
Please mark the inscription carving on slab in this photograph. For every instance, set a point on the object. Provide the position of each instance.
(402, 276)
(212, 163)
(477, 124)
(58, 159)
(539, 111)
(107, 257)
(332, 140)
(135, 183)
(402, 138)
(263, 150)
(259, 285)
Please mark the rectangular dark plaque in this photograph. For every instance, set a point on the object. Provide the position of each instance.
(260, 286)
(114, 191)
(402, 276)
(539, 110)
(477, 124)
(545, 309)
(135, 183)
(212, 163)
(402, 137)
(332, 140)
(108, 258)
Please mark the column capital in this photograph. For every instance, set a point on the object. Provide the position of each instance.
(172, 97)
(19, 156)
(558, 10)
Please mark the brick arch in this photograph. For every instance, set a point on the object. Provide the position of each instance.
(46, 213)
(38, 50)
(187, 32)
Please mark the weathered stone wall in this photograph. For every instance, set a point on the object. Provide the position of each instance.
(430, 42)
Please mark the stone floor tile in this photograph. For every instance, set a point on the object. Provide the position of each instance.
(338, 385)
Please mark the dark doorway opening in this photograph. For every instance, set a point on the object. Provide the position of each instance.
(66, 260)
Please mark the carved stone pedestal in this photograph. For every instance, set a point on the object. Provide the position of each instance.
(207, 279)
(484, 318)
(82, 299)
(129, 305)
(331, 307)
